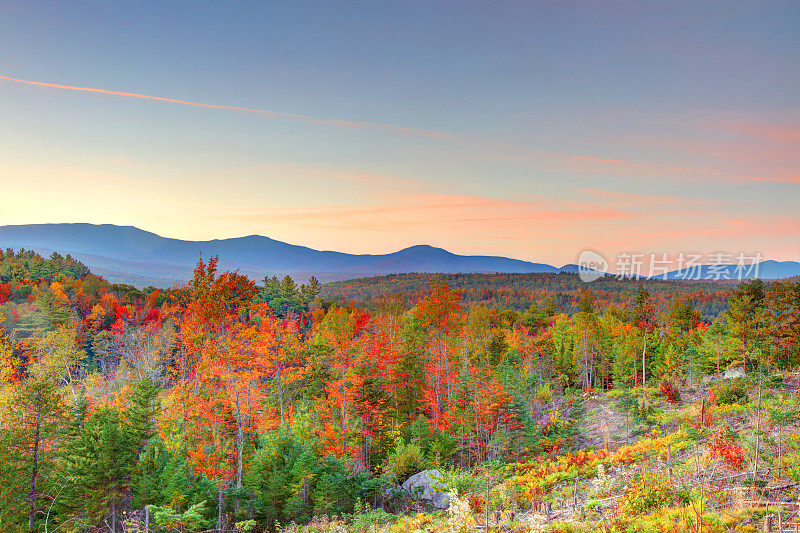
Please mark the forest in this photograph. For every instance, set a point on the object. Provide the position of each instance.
(405, 403)
(521, 291)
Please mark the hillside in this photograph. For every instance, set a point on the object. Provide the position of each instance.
(617, 406)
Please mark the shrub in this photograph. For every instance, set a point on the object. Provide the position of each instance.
(730, 393)
(406, 459)
(290, 481)
(645, 495)
(365, 519)
(670, 391)
(22, 293)
(245, 525)
(412, 523)
(729, 452)
(459, 514)
(476, 502)
(603, 484)
(543, 394)
(436, 446)
(775, 381)
(640, 408)
(460, 481)
(706, 422)
(756, 483)
(192, 518)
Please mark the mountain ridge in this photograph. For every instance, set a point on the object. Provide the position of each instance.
(128, 254)
(122, 252)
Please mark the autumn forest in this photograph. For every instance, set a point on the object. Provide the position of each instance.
(227, 404)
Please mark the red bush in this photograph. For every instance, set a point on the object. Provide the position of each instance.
(476, 502)
(731, 453)
(671, 392)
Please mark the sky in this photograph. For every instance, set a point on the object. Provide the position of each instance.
(532, 130)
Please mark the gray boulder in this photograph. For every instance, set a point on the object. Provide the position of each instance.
(709, 380)
(421, 484)
(734, 373)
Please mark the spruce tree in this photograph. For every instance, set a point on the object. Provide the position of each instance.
(143, 410)
(36, 418)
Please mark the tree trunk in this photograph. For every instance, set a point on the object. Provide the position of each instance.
(487, 502)
(280, 389)
(703, 414)
(219, 509)
(447, 374)
(239, 451)
(744, 354)
(34, 469)
(758, 431)
(780, 451)
(644, 354)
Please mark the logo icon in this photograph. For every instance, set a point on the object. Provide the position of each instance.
(591, 266)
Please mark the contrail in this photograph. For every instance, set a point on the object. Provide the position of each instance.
(433, 134)
(265, 112)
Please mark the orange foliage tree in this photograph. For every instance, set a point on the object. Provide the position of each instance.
(438, 309)
(340, 423)
(215, 391)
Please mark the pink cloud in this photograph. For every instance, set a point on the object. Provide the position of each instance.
(632, 199)
(655, 169)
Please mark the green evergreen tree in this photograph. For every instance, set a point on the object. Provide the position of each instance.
(36, 419)
(746, 314)
(143, 410)
(287, 288)
(99, 463)
(310, 290)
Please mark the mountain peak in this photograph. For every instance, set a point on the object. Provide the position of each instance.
(130, 255)
(423, 248)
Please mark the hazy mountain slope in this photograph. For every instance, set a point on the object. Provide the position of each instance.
(121, 250)
(768, 269)
(126, 254)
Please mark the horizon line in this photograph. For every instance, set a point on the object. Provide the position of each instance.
(427, 245)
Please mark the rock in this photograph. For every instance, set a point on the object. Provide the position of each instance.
(734, 373)
(709, 380)
(392, 490)
(421, 485)
(440, 500)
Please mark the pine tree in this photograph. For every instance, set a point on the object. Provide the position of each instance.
(287, 288)
(36, 417)
(747, 315)
(310, 290)
(101, 463)
(143, 410)
(69, 453)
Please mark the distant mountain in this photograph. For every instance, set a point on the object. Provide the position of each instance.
(765, 270)
(125, 254)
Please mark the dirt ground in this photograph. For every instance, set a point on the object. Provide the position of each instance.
(604, 425)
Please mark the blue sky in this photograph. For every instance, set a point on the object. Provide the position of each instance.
(526, 129)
